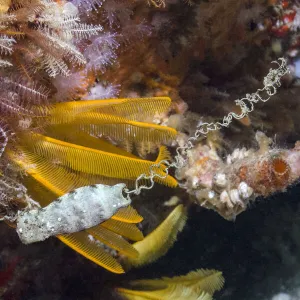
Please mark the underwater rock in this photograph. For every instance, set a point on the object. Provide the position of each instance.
(82, 208)
(228, 184)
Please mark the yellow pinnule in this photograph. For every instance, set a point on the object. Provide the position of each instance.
(113, 240)
(160, 240)
(196, 285)
(127, 230)
(93, 161)
(127, 215)
(178, 292)
(82, 243)
(117, 127)
(123, 119)
(131, 108)
(200, 280)
(47, 182)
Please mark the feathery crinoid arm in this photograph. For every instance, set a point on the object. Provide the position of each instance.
(47, 182)
(177, 292)
(119, 128)
(84, 244)
(48, 29)
(113, 240)
(127, 215)
(121, 119)
(93, 161)
(85, 139)
(160, 240)
(78, 123)
(127, 230)
(3, 137)
(17, 99)
(136, 109)
(201, 280)
(196, 285)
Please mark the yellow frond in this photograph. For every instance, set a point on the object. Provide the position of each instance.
(159, 241)
(93, 161)
(81, 243)
(131, 108)
(200, 280)
(38, 192)
(55, 178)
(199, 284)
(127, 230)
(82, 138)
(127, 215)
(209, 281)
(44, 173)
(117, 127)
(113, 240)
(177, 292)
(48, 182)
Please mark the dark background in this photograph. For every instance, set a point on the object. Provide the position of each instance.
(259, 255)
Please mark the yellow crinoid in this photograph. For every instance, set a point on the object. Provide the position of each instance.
(73, 147)
(196, 285)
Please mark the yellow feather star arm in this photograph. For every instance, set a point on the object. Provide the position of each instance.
(81, 243)
(93, 161)
(52, 182)
(37, 191)
(208, 281)
(82, 138)
(127, 230)
(117, 127)
(55, 178)
(199, 284)
(127, 215)
(60, 182)
(59, 185)
(41, 171)
(131, 108)
(160, 240)
(113, 240)
(200, 280)
(178, 292)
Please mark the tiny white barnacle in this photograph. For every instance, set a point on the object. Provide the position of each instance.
(220, 180)
(235, 197)
(245, 190)
(195, 182)
(91, 238)
(224, 198)
(211, 194)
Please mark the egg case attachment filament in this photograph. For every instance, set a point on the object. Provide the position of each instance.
(271, 83)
